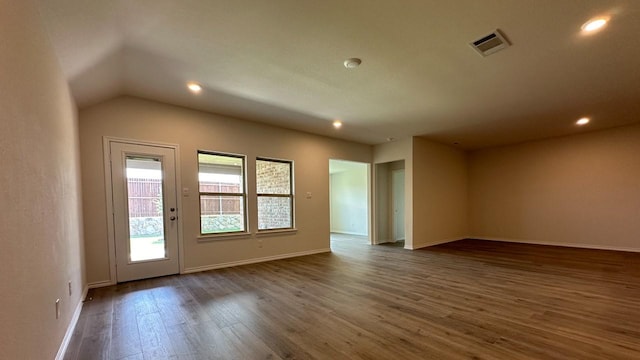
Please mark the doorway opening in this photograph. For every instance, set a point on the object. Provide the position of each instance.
(390, 203)
(349, 201)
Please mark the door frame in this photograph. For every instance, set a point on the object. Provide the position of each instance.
(111, 238)
(370, 218)
(394, 198)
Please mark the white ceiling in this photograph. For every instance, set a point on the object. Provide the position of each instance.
(280, 62)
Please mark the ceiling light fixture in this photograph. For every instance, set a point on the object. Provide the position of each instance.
(594, 25)
(583, 121)
(337, 124)
(352, 63)
(194, 87)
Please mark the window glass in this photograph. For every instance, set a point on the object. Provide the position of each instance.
(222, 193)
(275, 194)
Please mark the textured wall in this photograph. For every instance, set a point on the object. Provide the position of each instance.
(581, 190)
(440, 201)
(40, 228)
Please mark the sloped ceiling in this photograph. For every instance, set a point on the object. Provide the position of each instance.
(280, 62)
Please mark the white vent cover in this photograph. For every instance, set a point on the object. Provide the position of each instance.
(490, 44)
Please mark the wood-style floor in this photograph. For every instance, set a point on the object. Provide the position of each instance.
(464, 300)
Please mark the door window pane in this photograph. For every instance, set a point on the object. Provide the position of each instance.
(145, 206)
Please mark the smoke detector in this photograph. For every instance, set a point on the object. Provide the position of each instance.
(490, 43)
(352, 63)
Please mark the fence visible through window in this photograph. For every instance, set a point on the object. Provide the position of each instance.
(222, 193)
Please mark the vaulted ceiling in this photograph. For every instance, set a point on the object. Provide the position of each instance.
(281, 62)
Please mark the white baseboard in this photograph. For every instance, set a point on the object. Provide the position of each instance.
(99, 284)
(386, 241)
(420, 246)
(549, 243)
(253, 261)
(347, 233)
(72, 326)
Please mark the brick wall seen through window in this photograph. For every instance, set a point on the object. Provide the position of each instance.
(275, 194)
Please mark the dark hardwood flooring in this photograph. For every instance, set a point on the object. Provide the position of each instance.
(464, 300)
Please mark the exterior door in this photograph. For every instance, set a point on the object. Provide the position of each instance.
(397, 184)
(145, 210)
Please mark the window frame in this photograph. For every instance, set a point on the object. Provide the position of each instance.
(242, 195)
(291, 195)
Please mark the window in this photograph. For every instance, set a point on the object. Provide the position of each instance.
(222, 193)
(275, 194)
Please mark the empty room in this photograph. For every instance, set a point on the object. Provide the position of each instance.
(210, 179)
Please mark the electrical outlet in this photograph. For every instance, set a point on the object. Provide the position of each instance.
(260, 243)
(70, 292)
(57, 308)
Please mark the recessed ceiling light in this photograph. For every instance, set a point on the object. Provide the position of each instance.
(337, 124)
(194, 87)
(594, 25)
(352, 63)
(583, 121)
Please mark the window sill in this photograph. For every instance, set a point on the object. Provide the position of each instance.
(223, 236)
(276, 232)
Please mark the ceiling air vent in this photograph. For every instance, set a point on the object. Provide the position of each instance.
(490, 44)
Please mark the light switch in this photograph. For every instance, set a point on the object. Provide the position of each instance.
(185, 192)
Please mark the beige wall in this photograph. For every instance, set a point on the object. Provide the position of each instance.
(134, 118)
(40, 228)
(349, 198)
(439, 193)
(581, 190)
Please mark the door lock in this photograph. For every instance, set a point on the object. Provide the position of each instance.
(172, 218)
